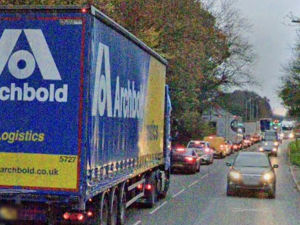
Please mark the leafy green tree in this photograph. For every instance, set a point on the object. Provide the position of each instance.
(197, 47)
(290, 90)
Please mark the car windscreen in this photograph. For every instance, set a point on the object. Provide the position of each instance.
(196, 145)
(270, 137)
(251, 161)
(287, 128)
(185, 152)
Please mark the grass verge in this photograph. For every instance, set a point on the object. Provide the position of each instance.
(295, 152)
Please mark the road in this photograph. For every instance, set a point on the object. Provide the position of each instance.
(201, 200)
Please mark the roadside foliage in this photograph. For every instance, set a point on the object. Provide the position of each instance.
(204, 52)
(290, 90)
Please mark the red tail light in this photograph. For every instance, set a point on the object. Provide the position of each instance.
(189, 159)
(80, 217)
(83, 10)
(180, 149)
(148, 187)
(66, 216)
(89, 213)
(140, 187)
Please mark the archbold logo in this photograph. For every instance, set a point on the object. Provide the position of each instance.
(128, 102)
(22, 63)
(41, 55)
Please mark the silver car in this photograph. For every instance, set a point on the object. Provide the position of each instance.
(251, 171)
(203, 149)
(270, 143)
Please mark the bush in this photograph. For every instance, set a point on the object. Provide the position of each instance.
(295, 152)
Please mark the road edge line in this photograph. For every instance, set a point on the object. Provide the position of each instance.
(294, 178)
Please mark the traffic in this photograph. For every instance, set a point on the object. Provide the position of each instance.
(97, 128)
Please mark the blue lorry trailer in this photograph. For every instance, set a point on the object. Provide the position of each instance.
(85, 118)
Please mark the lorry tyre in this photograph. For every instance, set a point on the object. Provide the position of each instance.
(113, 207)
(162, 193)
(103, 211)
(122, 205)
(151, 195)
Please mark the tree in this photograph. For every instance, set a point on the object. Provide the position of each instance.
(203, 53)
(290, 90)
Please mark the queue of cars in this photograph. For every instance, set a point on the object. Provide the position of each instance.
(198, 152)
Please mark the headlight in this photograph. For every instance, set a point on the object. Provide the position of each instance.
(235, 175)
(291, 135)
(274, 149)
(261, 149)
(268, 176)
(281, 135)
(276, 143)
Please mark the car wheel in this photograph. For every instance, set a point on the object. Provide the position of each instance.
(198, 169)
(272, 192)
(229, 191)
(194, 169)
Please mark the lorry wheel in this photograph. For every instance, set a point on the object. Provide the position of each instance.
(113, 207)
(122, 205)
(151, 195)
(163, 190)
(103, 211)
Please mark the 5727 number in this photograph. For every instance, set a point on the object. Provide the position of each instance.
(67, 159)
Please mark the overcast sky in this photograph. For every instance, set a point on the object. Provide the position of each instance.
(273, 37)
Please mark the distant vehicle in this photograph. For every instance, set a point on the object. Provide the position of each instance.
(270, 143)
(237, 146)
(203, 149)
(287, 132)
(265, 124)
(247, 141)
(218, 144)
(251, 171)
(185, 159)
(256, 138)
(229, 146)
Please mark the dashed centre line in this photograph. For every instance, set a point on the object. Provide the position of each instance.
(178, 193)
(137, 222)
(158, 207)
(195, 182)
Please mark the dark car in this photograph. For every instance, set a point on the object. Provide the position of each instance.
(185, 159)
(251, 171)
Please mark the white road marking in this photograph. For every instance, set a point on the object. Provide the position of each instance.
(238, 210)
(204, 176)
(178, 193)
(138, 222)
(158, 207)
(195, 182)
